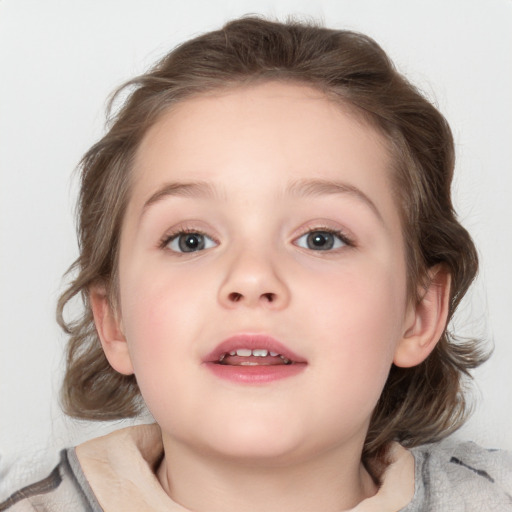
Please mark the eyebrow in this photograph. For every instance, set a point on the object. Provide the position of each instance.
(319, 187)
(193, 189)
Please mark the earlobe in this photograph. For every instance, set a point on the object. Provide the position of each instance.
(426, 320)
(110, 332)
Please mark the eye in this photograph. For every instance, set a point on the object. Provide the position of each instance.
(322, 240)
(189, 242)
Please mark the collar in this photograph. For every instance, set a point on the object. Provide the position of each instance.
(121, 471)
(120, 468)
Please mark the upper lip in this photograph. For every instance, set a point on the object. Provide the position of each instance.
(252, 341)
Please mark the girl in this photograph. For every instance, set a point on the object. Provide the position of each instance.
(269, 258)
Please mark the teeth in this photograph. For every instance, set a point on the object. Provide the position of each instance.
(246, 352)
(257, 352)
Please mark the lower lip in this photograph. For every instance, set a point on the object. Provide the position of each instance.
(255, 374)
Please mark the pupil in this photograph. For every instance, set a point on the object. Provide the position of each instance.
(320, 240)
(191, 242)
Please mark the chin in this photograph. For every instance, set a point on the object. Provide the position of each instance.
(256, 442)
(254, 455)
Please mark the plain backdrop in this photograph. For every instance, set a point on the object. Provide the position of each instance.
(59, 60)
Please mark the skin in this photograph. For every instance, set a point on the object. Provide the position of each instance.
(344, 310)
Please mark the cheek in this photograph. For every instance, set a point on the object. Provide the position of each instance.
(157, 296)
(361, 297)
(160, 317)
(357, 319)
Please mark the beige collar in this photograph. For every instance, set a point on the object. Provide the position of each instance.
(120, 469)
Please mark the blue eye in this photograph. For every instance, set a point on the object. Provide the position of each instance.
(322, 240)
(189, 242)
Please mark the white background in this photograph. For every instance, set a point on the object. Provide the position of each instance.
(59, 60)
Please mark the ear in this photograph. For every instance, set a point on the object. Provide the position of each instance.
(110, 331)
(425, 321)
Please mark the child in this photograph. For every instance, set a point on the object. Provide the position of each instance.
(269, 258)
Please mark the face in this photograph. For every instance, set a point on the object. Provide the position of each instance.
(262, 221)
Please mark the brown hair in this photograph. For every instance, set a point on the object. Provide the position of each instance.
(419, 404)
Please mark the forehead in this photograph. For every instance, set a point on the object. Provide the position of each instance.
(262, 136)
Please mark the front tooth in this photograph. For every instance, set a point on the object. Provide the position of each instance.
(244, 352)
(260, 352)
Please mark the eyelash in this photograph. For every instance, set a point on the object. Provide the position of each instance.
(346, 239)
(169, 237)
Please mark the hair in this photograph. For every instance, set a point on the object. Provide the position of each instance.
(418, 405)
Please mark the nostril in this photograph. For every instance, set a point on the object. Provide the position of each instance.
(235, 296)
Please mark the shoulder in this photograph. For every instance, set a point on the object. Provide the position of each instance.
(455, 476)
(62, 489)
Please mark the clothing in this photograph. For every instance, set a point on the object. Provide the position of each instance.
(117, 472)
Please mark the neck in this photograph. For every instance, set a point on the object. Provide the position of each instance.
(202, 482)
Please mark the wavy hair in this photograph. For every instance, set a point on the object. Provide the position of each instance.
(418, 405)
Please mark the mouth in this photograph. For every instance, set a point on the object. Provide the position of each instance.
(254, 358)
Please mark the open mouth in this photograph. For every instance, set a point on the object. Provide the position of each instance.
(254, 359)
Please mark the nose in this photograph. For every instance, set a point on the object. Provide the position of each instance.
(253, 280)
